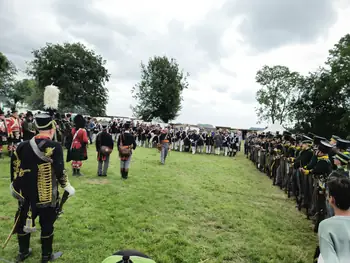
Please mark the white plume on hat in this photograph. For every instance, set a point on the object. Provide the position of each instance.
(51, 97)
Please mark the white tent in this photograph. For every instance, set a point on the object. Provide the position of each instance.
(273, 128)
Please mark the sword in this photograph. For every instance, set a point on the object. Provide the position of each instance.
(63, 200)
(13, 230)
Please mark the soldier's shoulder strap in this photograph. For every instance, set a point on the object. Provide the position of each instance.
(38, 152)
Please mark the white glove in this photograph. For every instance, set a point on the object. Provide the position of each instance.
(70, 189)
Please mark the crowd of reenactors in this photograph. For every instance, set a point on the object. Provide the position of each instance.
(301, 165)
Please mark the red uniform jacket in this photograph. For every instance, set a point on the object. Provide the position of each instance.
(14, 126)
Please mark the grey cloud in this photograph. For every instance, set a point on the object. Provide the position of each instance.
(221, 88)
(270, 24)
(228, 72)
(246, 96)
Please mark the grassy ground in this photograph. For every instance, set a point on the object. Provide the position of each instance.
(194, 209)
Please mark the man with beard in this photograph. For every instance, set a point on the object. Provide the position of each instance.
(28, 127)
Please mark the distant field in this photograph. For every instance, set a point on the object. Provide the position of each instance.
(196, 208)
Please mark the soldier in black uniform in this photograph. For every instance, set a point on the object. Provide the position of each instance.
(28, 127)
(320, 173)
(37, 169)
(125, 141)
(303, 159)
(194, 139)
(342, 162)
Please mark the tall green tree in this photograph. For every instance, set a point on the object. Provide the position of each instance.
(323, 106)
(79, 73)
(7, 74)
(159, 93)
(339, 62)
(20, 91)
(277, 93)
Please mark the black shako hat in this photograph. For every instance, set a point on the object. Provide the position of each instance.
(342, 144)
(325, 147)
(343, 158)
(45, 120)
(79, 121)
(127, 125)
(311, 135)
(318, 139)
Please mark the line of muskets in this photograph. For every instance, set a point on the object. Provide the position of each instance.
(283, 158)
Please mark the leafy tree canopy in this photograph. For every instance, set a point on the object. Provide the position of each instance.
(158, 94)
(20, 91)
(7, 74)
(79, 73)
(276, 94)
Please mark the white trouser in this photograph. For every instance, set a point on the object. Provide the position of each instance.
(217, 150)
(200, 148)
(177, 145)
(225, 151)
(181, 145)
(193, 149)
(208, 149)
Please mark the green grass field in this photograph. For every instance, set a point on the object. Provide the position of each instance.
(196, 208)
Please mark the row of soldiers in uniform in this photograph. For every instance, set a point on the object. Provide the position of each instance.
(20, 127)
(301, 166)
(219, 142)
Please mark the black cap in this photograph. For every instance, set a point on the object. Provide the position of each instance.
(311, 135)
(343, 158)
(286, 133)
(342, 144)
(325, 147)
(127, 125)
(306, 138)
(44, 121)
(14, 110)
(318, 139)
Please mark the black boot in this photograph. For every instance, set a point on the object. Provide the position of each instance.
(122, 172)
(126, 174)
(24, 250)
(74, 172)
(46, 250)
(79, 173)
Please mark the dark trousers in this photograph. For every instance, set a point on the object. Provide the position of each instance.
(47, 218)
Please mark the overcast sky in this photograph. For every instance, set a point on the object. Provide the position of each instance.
(220, 43)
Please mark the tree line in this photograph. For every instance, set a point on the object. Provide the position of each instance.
(81, 76)
(318, 102)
